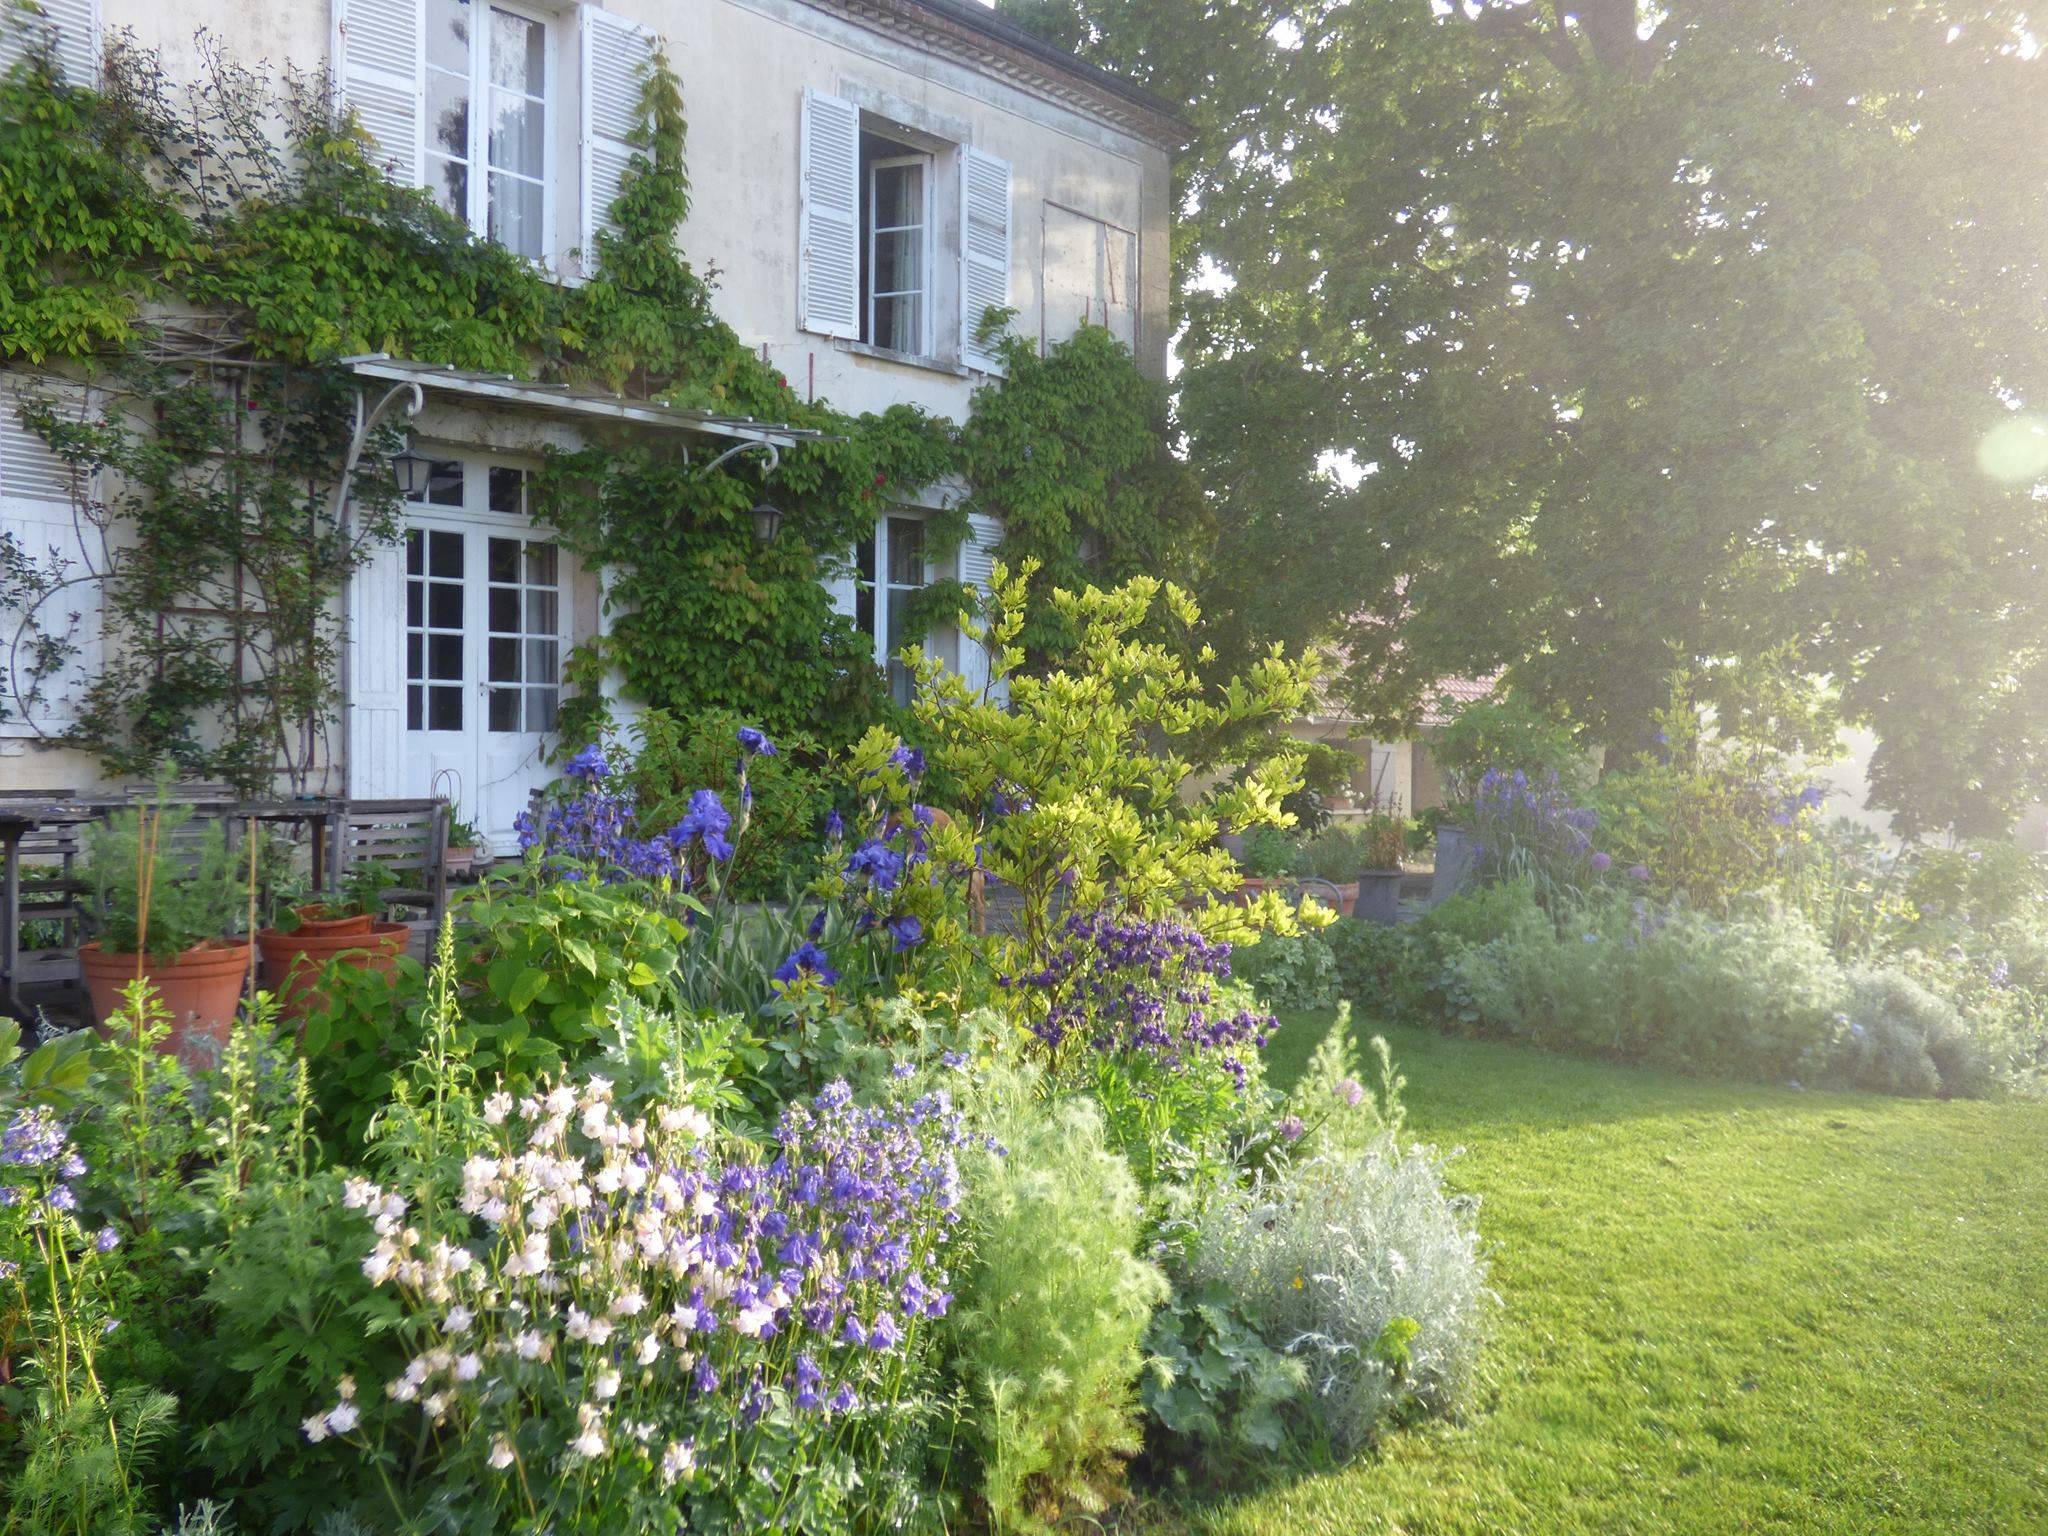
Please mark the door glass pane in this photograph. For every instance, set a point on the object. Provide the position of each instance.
(435, 630)
(503, 562)
(444, 483)
(504, 709)
(444, 709)
(525, 634)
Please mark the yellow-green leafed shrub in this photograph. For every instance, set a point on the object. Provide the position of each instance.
(1051, 1311)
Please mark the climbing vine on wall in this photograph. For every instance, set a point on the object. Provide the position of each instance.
(208, 270)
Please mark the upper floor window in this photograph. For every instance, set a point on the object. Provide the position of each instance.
(872, 266)
(472, 99)
(488, 95)
(896, 221)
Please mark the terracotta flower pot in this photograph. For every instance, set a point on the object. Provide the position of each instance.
(201, 990)
(292, 962)
(1252, 887)
(1347, 898)
(459, 861)
(311, 921)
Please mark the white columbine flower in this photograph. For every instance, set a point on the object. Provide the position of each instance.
(679, 1460)
(528, 1345)
(343, 1417)
(377, 1267)
(501, 1453)
(497, 1107)
(315, 1428)
(459, 1319)
(605, 1386)
(650, 1346)
(468, 1367)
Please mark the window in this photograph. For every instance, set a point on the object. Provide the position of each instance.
(896, 231)
(525, 634)
(879, 607)
(488, 120)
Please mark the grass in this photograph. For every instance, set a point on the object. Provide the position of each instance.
(1727, 1308)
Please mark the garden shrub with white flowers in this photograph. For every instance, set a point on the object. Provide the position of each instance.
(646, 1207)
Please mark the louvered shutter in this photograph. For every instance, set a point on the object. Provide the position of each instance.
(380, 70)
(984, 250)
(69, 28)
(977, 556)
(38, 518)
(375, 706)
(828, 257)
(617, 55)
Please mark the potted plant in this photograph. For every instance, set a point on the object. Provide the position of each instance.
(1264, 856)
(463, 843)
(350, 931)
(1332, 856)
(170, 926)
(1382, 839)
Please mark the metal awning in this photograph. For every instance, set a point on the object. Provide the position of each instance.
(568, 400)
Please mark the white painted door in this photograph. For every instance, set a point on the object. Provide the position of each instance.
(487, 620)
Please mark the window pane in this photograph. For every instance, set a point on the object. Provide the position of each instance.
(540, 613)
(415, 603)
(415, 707)
(516, 215)
(899, 323)
(540, 708)
(504, 661)
(503, 560)
(449, 180)
(508, 489)
(518, 52)
(444, 709)
(899, 262)
(540, 564)
(504, 709)
(444, 489)
(518, 129)
(415, 551)
(906, 555)
(415, 657)
(448, 114)
(504, 611)
(864, 587)
(543, 661)
(899, 196)
(448, 34)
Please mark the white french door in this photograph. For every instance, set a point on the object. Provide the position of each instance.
(486, 624)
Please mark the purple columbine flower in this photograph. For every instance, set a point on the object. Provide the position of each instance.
(1602, 862)
(754, 742)
(107, 1240)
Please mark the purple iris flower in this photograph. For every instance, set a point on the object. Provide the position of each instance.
(910, 760)
(882, 864)
(806, 960)
(755, 743)
(588, 765)
(906, 932)
(835, 827)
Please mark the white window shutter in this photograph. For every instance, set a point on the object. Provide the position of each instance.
(375, 706)
(38, 518)
(977, 557)
(828, 234)
(617, 55)
(69, 28)
(380, 70)
(984, 250)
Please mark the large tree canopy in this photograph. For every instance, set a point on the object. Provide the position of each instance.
(1579, 339)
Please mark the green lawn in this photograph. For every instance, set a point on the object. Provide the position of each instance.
(1726, 1308)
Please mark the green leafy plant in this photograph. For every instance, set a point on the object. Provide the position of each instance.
(158, 893)
(1217, 1393)
(1290, 971)
(1266, 853)
(1047, 1331)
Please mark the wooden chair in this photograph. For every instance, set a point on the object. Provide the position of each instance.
(410, 837)
(51, 892)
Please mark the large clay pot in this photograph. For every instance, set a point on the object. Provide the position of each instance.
(313, 920)
(1252, 887)
(201, 990)
(1347, 899)
(459, 861)
(292, 962)
(1379, 896)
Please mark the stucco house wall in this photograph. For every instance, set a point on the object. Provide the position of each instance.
(1081, 163)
